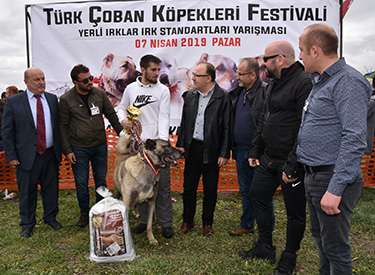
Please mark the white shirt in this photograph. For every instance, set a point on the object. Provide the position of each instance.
(47, 115)
(154, 103)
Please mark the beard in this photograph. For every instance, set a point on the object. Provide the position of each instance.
(86, 89)
(270, 74)
(148, 79)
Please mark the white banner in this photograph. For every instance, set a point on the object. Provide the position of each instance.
(110, 38)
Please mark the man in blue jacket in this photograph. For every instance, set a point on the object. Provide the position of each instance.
(247, 102)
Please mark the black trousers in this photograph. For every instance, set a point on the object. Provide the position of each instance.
(45, 171)
(331, 232)
(194, 168)
(266, 179)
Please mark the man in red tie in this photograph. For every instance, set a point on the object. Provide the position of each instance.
(32, 143)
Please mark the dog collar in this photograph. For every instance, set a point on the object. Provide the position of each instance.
(151, 164)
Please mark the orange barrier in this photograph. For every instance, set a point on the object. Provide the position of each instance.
(227, 179)
(368, 168)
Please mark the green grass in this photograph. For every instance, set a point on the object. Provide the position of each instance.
(66, 251)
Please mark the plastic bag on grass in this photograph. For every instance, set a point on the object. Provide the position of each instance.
(110, 239)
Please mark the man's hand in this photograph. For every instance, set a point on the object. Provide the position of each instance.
(221, 161)
(330, 203)
(288, 179)
(254, 162)
(14, 162)
(72, 158)
(127, 125)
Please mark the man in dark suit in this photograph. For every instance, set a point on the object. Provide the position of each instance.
(204, 136)
(32, 143)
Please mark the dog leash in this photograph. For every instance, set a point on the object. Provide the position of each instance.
(135, 132)
(150, 163)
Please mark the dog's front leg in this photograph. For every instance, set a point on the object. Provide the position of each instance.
(151, 210)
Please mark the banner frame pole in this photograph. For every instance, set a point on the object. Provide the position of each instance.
(341, 29)
(27, 18)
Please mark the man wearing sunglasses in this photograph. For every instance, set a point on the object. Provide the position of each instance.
(274, 156)
(204, 135)
(247, 101)
(83, 134)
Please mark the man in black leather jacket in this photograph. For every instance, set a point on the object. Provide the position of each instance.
(204, 136)
(275, 159)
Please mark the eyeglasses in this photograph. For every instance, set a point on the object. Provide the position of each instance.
(86, 80)
(199, 75)
(242, 74)
(268, 57)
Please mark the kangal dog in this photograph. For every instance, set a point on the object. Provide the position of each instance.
(137, 172)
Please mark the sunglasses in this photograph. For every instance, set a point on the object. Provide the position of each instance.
(199, 75)
(242, 74)
(86, 80)
(268, 57)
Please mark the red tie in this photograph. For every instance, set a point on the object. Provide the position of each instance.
(40, 126)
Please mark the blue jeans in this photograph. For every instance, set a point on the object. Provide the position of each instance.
(245, 176)
(331, 232)
(97, 155)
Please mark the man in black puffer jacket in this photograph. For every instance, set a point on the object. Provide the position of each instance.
(274, 156)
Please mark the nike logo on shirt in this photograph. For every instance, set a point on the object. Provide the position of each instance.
(143, 100)
(295, 184)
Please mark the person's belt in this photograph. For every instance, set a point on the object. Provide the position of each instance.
(317, 169)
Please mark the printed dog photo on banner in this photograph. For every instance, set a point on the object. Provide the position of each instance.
(117, 72)
(225, 70)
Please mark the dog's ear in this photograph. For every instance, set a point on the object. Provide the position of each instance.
(150, 144)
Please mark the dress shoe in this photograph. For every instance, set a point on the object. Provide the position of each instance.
(167, 232)
(207, 230)
(26, 232)
(83, 220)
(55, 225)
(241, 231)
(140, 228)
(186, 227)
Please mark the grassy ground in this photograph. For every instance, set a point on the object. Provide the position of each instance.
(66, 251)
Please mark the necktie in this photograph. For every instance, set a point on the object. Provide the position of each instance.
(40, 126)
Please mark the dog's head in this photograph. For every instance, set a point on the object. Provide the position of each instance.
(117, 73)
(225, 70)
(168, 70)
(167, 155)
(177, 79)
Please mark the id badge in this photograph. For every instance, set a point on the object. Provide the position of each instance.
(94, 110)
